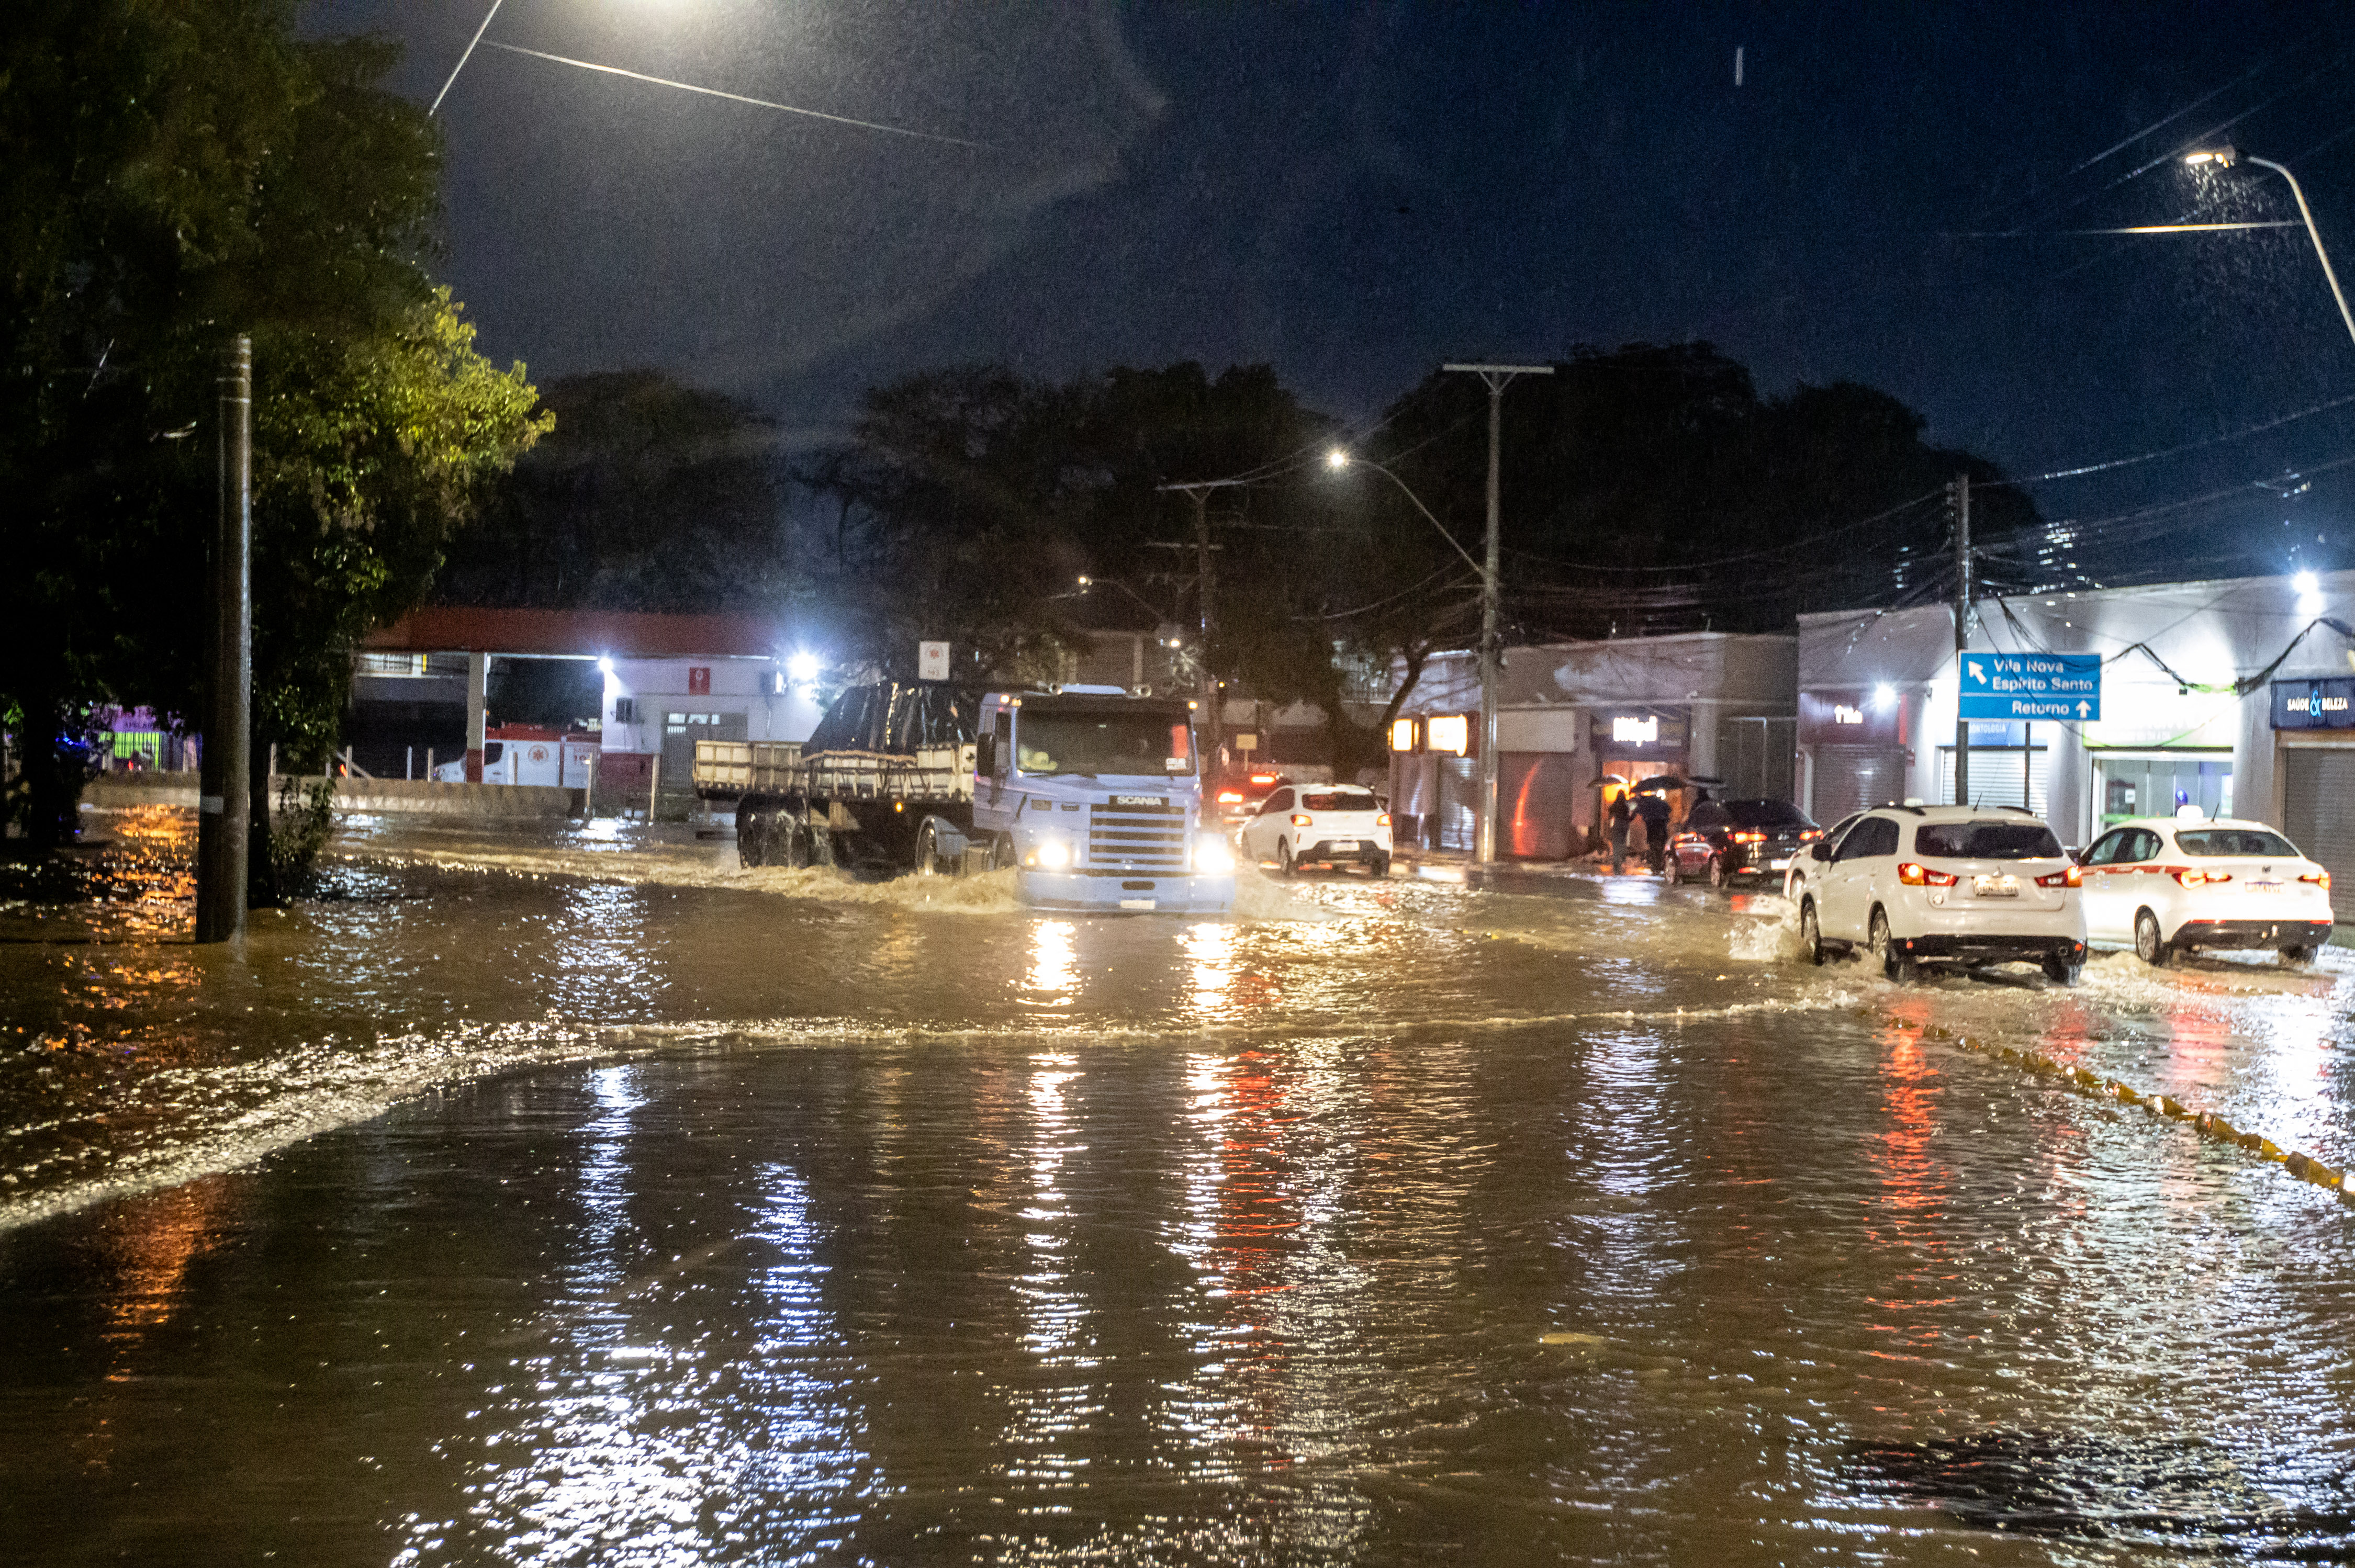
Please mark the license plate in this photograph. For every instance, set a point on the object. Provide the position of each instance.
(2263, 887)
(1782, 864)
(1995, 886)
(1136, 903)
(1344, 843)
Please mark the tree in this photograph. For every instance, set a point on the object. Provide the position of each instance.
(649, 496)
(180, 170)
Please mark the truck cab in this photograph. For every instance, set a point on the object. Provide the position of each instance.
(1094, 797)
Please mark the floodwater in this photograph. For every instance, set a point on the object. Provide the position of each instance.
(559, 1196)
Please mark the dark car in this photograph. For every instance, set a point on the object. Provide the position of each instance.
(1234, 795)
(1721, 840)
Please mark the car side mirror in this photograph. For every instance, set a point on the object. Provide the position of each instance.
(985, 757)
(1822, 851)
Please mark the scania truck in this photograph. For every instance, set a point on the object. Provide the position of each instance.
(1092, 795)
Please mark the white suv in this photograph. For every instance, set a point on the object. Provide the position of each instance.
(1945, 883)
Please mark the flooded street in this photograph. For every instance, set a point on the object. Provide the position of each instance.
(551, 1195)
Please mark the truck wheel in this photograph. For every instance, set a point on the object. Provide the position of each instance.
(2150, 945)
(1001, 852)
(800, 852)
(751, 834)
(930, 860)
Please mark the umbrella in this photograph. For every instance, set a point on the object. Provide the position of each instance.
(1607, 778)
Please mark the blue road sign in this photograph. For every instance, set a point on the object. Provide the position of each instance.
(2032, 686)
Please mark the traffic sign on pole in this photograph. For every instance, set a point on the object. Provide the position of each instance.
(2063, 686)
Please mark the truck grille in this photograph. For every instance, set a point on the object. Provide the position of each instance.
(1137, 838)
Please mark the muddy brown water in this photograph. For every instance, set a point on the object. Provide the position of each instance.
(560, 1195)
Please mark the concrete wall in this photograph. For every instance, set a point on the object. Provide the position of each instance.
(366, 796)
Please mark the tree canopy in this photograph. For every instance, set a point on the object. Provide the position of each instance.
(179, 172)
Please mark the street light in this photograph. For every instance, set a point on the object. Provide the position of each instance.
(2225, 157)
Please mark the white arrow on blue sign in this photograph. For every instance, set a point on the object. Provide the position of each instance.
(2066, 687)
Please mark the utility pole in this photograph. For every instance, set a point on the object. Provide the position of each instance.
(1496, 376)
(1213, 709)
(1959, 494)
(223, 815)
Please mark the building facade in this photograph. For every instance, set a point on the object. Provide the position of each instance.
(1572, 714)
(2237, 696)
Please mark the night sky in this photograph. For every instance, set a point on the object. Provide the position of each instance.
(1354, 194)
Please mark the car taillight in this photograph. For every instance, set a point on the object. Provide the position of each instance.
(1303, 819)
(1263, 778)
(1812, 833)
(2070, 877)
(2319, 878)
(2192, 876)
(1382, 820)
(1747, 838)
(1913, 875)
(1230, 798)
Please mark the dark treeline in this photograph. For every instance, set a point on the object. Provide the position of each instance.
(1646, 488)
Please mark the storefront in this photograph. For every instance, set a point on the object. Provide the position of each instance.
(2314, 732)
(1853, 742)
(1577, 719)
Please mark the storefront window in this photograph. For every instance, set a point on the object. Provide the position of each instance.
(2155, 784)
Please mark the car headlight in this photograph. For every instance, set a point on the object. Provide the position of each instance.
(1053, 853)
(1212, 855)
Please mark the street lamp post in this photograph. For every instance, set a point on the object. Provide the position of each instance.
(2225, 157)
(1496, 376)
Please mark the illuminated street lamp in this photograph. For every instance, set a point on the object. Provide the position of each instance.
(2225, 157)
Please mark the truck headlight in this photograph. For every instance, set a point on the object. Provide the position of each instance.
(1212, 855)
(1053, 853)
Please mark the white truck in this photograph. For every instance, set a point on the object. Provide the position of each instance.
(1092, 795)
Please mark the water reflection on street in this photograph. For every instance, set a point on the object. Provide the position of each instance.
(548, 1196)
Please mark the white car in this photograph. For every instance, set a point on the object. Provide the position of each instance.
(2172, 887)
(1319, 824)
(1942, 883)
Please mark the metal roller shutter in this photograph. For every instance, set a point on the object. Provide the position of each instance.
(2318, 815)
(1995, 777)
(1536, 796)
(1850, 777)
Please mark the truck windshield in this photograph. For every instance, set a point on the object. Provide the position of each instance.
(1159, 743)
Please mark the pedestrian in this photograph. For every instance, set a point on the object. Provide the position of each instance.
(1652, 805)
(1616, 818)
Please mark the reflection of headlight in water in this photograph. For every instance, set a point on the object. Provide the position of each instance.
(1052, 854)
(1212, 855)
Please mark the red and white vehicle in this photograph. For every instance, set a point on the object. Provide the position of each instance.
(2173, 885)
(1320, 824)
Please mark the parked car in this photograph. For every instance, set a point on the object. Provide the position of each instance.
(1723, 840)
(1320, 824)
(1911, 884)
(2168, 886)
(1235, 796)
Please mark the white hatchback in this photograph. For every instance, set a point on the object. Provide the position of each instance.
(1329, 824)
(1941, 884)
(2171, 887)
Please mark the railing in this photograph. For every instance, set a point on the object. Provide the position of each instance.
(778, 768)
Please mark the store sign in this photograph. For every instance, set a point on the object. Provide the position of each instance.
(1640, 732)
(2032, 686)
(2314, 705)
(1450, 733)
(1861, 717)
(1402, 734)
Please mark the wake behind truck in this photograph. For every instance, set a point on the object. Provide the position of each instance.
(1090, 794)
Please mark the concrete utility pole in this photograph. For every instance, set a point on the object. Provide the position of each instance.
(1959, 492)
(1496, 376)
(223, 800)
(1207, 570)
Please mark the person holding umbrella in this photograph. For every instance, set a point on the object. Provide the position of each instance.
(1652, 805)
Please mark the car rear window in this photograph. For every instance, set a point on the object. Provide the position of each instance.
(1337, 800)
(1987, 841)
(1767, 814)
(2235, 841)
